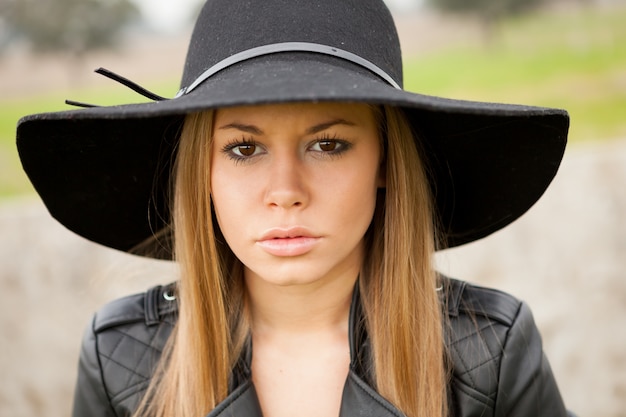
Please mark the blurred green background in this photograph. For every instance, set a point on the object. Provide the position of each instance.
(572, 59)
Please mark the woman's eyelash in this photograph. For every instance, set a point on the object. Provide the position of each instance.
(246, 142)
(334, 145)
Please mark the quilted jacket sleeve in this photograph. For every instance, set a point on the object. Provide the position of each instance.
(526, 386)
(90, 397)
(120, 352)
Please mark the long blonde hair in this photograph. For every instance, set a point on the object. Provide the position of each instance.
(401, 306)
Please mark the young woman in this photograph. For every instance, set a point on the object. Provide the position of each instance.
(303, 194)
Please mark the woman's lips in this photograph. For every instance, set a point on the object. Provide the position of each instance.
(288, 242)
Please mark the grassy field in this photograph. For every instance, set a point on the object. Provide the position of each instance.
(574, 60)
(571, 59)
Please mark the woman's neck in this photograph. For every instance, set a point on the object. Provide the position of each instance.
(300, 308)
(300, 345)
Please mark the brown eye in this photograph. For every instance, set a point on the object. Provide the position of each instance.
(242, 150)
(327, 145)
(330, 147)
(245, 150)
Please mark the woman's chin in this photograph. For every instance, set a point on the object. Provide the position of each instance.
(288, 274)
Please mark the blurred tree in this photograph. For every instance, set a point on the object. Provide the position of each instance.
(74, 26)
(487, 8)
(488, 11)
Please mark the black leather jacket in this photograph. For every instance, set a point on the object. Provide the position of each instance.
(498, 365)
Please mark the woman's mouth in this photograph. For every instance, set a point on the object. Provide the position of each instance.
(288, 242)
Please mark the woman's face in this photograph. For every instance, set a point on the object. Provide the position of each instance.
(294, 188)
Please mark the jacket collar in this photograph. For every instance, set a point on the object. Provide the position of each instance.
(359, 399)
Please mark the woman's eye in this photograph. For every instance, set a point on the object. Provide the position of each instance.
(242, 150)
(330, 146)
(327, 145)
(248, 149)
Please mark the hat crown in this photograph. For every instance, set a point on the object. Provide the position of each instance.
(228, 27)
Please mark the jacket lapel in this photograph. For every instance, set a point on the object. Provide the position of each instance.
(242, 402)
(361, 400)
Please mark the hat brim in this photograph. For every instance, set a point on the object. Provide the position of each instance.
(104, 172)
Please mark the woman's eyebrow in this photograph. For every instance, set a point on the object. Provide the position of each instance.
(244, 128)
(310, 131)
(323, 126)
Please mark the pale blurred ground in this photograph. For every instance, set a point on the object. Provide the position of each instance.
(564, 257)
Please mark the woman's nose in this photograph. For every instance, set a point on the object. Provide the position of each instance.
(285, 186)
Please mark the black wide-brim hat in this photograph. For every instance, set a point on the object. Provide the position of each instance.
(104, 172)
